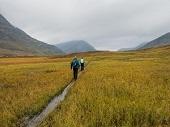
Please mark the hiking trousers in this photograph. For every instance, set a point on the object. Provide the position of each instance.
(82, 66)
(75, 73)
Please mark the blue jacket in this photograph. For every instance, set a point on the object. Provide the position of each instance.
(75, 64)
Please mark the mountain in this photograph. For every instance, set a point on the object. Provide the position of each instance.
(133, 48)
(160, 41)
(75, 46)
(14, 42)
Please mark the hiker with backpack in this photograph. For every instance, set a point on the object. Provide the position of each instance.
(75, 65)
(82, 63)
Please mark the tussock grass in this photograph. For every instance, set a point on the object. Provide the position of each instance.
(129, 89)
(27, 84)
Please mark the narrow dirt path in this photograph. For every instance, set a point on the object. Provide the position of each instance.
(36, 120)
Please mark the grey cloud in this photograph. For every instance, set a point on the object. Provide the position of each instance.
(107, 24)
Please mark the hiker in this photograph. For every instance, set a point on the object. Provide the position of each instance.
(82, 63)
(75, 64)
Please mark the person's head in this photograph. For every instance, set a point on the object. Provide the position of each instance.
(75, 58)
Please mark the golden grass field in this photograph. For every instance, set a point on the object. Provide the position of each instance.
(118, 89)
(129, 89)
(27, 84)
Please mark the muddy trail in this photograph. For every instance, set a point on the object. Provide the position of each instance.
(37, 119)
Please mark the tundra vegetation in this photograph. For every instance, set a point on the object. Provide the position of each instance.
(121, 89)
(28, 84)
(130, 89)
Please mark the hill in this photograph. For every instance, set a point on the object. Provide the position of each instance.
(160, 41)
(133, 48)
(76, 46)
(14, 41)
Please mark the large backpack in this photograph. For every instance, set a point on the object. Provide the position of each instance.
(75, 63)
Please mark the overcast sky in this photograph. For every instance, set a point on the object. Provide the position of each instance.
(106, 24)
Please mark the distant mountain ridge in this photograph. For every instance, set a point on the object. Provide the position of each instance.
(160, 41)
(14, 41)
(133, 48)
(75, 46)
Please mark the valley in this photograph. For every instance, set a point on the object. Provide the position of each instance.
(117, 88)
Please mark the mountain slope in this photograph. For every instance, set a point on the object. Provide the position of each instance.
(133, 48)
(76, 46)
(161, 41)
(14, 41)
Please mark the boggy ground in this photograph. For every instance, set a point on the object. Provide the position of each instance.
(28, 84)
(128, 89)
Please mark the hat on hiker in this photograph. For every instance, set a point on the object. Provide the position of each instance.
(75, 58)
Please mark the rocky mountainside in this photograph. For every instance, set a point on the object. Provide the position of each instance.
(14, 42)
